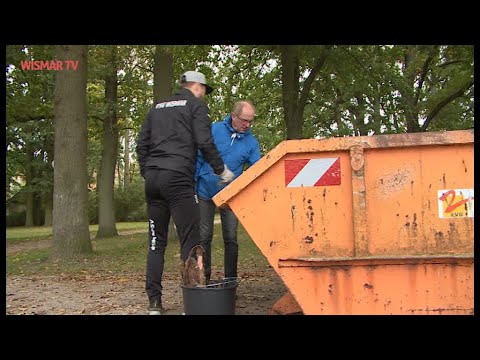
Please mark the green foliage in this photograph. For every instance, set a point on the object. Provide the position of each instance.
(29, 113)
(455, 116)
(249, 72)
(130, 202)
(390, 89)
(15, 219)
(361, 89)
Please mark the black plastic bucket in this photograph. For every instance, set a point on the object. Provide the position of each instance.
(214, 299)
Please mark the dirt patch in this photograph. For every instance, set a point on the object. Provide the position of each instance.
(124, 294)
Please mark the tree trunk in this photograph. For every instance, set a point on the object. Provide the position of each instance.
(38, 214)
(48, 205)
(126, 160)
(71, 235)
(29, 209)
(162, 89)
(294, 100)
(410, 107)
(48, 195)
(29, 192)
(290, 90)
(118, 166)
(358, 118)
(377, 118)
(162, 73)
(411, 118)
(106, 183)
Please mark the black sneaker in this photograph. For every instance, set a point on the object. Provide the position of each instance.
(155, 307)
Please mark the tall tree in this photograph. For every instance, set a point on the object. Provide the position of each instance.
(126, 157)
(294, 98)
(106, 177)
(162, 89)
(29, 130)
(367, 90)
(432, 79)
(47, 198)
(30, 194)
(71, 235)
(162, 73)
(134, 99)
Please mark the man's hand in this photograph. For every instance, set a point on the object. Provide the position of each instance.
(226, 176)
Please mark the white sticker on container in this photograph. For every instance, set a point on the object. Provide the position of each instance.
(455, 203)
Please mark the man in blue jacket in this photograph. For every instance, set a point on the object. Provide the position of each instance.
(237, 147)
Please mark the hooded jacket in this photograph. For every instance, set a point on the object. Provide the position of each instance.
(173, 132)
(236, 149)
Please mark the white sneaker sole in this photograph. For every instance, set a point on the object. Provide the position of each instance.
(154, 312)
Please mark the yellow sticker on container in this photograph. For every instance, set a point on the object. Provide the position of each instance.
(455, 203)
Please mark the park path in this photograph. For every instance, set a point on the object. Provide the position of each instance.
(123, 293)
(108, 293)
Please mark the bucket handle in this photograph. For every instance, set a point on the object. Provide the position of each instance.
(225, 281)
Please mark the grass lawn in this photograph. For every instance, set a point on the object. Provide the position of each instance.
(125, 253)
(21, 234)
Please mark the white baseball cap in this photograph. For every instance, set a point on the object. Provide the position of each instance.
(195, 76)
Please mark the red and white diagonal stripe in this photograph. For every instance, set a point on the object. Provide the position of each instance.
(312, 172)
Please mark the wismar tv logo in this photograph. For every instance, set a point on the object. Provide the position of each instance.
(55, 65)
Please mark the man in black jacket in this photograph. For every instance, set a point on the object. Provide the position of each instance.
(167, 143)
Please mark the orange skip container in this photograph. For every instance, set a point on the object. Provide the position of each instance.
(365, 225)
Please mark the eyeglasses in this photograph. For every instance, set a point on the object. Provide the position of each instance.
(244, 120)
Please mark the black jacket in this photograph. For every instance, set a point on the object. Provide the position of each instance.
(173, 131)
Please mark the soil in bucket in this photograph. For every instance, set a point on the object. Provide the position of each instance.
(216, 298)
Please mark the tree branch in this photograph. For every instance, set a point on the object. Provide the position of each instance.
(367, 71)
(445, 102)
(447, 63)
(422, 77)
(257, 75)
(309, 81)
(28, 118)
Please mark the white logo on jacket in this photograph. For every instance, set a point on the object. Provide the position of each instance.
(171, 104)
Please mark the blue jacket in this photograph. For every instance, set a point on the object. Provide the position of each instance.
(235, 148)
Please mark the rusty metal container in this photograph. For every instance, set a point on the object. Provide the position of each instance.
(365, 225)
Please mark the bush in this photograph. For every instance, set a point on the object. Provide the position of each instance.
(16, 219)
(130, 202)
